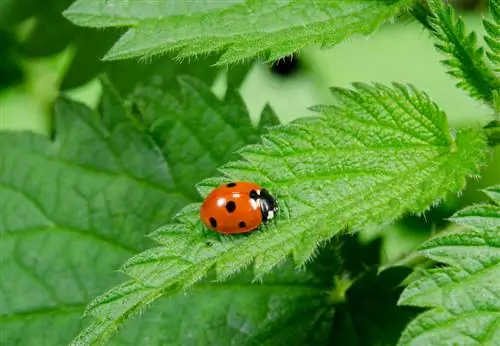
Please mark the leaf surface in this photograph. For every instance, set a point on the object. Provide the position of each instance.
(492, 38)
(243, 29)
(375, 154)
(287, 307)
(464, 295)
(206, 136)
(465, 60)
(75, 208)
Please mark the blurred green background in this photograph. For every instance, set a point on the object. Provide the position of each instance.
(401, 52)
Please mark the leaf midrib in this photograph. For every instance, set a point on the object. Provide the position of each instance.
(232, 252)
(64, 309)
(86, 233)
(453, 284)
(122, 173)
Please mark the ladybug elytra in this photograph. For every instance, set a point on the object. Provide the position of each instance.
(238, 207)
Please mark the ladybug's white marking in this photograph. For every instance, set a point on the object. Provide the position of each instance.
(270, 214)
(254, 203)
(221, 202)
(236, 195)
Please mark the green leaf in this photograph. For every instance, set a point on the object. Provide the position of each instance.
(75, 208)
(243, 29)
(72, 210)
(226, 128)
(464, 295)
(286, 307)
(465, 61)
(377, 153)
(492, 131)
(370, 315)
(268, 119)
(493, 34)
(85, 65)
(52, 33)
(126, 74)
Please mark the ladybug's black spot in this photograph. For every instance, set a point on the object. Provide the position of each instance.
(231, 185)
(213, 222)
(242, 224)
(230, 206)
(254, 195)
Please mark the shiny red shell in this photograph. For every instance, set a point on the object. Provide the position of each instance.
(230, 208)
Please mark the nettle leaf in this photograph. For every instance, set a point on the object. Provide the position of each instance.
(52, 33)
(493, 34)
(226, 127)
(72, 210)
(464, 295)
(465, 60)
(243, 29)
(75, 208)
(287, 307)
(377, 153)
(126, 74)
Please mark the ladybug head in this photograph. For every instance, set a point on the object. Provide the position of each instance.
(268, 205)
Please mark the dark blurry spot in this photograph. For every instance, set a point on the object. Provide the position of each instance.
(286, 66)
(135, 109)
(467, 5)
(436, 217)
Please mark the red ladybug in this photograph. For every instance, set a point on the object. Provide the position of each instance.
(237, 207)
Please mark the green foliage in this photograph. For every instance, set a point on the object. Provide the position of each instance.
(327, 174)
(10, 69)
(12, 12)
(163, 72)
(51, 33)
(286, 307)
(242, 29)
(492, 131)
(179, 135)
(465, 61)
(369, 315)
(493, 34)
(464, 295)
(75, 208)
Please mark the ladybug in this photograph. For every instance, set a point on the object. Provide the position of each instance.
(237, 207)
